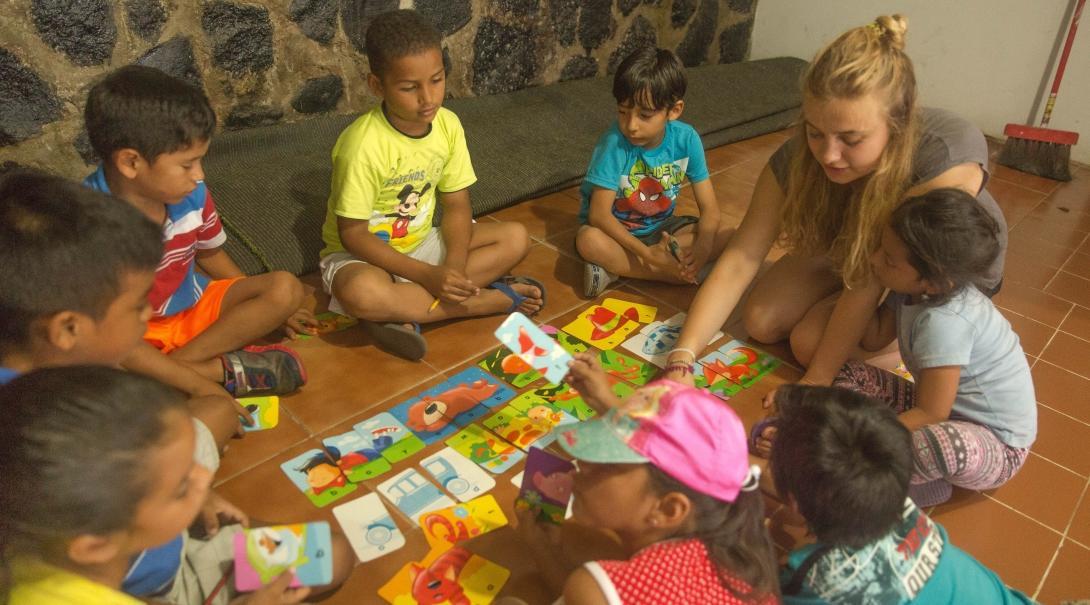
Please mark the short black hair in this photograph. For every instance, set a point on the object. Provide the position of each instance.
(952, 240)
(65, 247)
(142, 108)
(399, 33)
(650, 74)
(844, 459)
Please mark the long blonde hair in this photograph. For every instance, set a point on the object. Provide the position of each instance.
(822, 217)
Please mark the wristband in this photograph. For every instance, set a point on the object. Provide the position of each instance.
(684, 368)
(682, 350)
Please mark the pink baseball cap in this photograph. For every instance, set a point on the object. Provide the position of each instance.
(684, 431)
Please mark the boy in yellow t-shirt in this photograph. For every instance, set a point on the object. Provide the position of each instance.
(383, 260)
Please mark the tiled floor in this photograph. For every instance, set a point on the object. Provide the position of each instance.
(1035, 531)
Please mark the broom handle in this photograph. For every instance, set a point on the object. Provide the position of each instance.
(1063, 63)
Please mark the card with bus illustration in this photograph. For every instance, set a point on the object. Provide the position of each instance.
(412, 494)
(458, 476)
(369, 527)
(264, 553)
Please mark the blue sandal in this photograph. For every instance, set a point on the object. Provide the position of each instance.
(503, 284)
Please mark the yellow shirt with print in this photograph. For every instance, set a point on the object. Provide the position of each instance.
(37, 583)
(390, 179)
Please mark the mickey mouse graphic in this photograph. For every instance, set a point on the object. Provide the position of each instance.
(408, 200)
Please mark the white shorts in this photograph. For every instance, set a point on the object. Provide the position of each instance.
(206, 454)
(432, 250)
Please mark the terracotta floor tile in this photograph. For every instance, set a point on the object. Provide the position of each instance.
(1015, 201)
(1037, 477)
(1078, 322)
(1036, 249)
(1068, 352)
(545, 216)
(1062, 440)
(1067, 580)
(992, 533)
(1032, 303)
(1024, 179)
(1080, 524)
(1025, 269)
(721, 158)
(1073, 195)
(1061, 390)
(257, 447)
(746, 171)
(1079, 265)
(1070, 287)
(452, 342)
(1052, 220)
(1033, 335)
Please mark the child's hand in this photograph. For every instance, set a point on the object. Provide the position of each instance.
(216, 512)
(301, 322)
(542, 537)
(659, 257)
(449, 284)
(685, 377)
(207, 388)
(762, 443)
(275, 593)
(586, 376)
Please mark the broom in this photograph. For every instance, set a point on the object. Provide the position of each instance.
(1044, 151)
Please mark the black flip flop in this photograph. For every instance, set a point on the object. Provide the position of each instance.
(395, 338)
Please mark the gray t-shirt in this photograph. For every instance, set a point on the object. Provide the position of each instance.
(995, 388)
(946, 140)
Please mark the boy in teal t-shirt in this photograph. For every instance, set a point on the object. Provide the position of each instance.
(842, 460)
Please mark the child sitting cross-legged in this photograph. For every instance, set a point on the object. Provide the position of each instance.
(97, 469)
(384, 261)
(843, 461)
(631, 190)
(151, 131)
(667, 472)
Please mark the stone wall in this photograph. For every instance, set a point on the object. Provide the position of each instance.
(279, 60)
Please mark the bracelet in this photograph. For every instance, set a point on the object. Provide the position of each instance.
(681, 350)
(684, 368)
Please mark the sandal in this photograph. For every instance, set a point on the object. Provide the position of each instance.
(758, 429)
(397, 339)
(503, 284)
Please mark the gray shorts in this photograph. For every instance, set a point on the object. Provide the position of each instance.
(203, 576)
(670, 225)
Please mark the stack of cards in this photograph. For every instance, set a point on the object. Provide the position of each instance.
(547, 484)
(733, 367)
(264, 553)
(655, 340)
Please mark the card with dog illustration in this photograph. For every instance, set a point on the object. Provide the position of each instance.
(264, 553)
(454, 576)
(318, 477)
(369, 528)
(634, 311)
(446, 527)
(547, 484)
(389, 437)
(509, 367)
(264, 410)
(484, 387)
(563, 397)
(438, 412)
(739, 363)
(356, 456)
(412, 494)
(534, 347)
(492, 453)
(460, 477)
(626, 368)
(601, 327)
(570, 343)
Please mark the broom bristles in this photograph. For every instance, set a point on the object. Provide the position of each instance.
(1050, 160)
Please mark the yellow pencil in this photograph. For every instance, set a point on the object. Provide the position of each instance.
(434, 304)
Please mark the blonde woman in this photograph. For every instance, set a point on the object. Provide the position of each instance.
(861, 147)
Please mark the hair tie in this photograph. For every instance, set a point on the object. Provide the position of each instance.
(753, 478)
(876, 27)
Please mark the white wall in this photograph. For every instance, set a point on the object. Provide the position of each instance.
(983, 59)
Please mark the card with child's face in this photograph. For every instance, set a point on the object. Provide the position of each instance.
(263, 553)
(318, 477)
(356, 456)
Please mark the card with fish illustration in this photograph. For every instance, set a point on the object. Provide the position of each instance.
(446, 527)
(318, 477)
(356, 456)
(547, 484)
(329, 322)
(389, 437)
(264, 553)
(509, 367)
(492, 453)
(264, 410)
(570, 343)
(634, 311)
(739, 363)
(369, 527)
(482, 386)
(412, 494)
(626, 368)
(601, 327)
(453, 576)
(563, 397)
(534, 347)
(458, 476)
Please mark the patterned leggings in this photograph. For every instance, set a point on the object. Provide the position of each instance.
(963, 453)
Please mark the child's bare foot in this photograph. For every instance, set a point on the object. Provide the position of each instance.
(526, 294)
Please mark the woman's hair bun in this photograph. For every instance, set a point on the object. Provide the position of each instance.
(892, 29)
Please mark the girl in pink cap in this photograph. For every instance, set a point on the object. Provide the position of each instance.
(666, 471)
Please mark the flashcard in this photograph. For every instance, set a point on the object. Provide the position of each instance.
(264, 410)
(509, 367)
(722, 388)
(480, 384)
(570, 343)
(454, 576)
(439, 411)
(517, 479)
(626, 368)
(739, 363)
(485, 449)
(534, 347)
(524, 427)
(446, 527)
(263, 553)
(356, 456)
(412, 494)
(563, 397)
(621, 388)
(389, 437)
(318, 477)
(634, 311)
(369, 528)
(655, 340)
(331, 322)
(601, 327)
(547, 483)
(460, 477)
